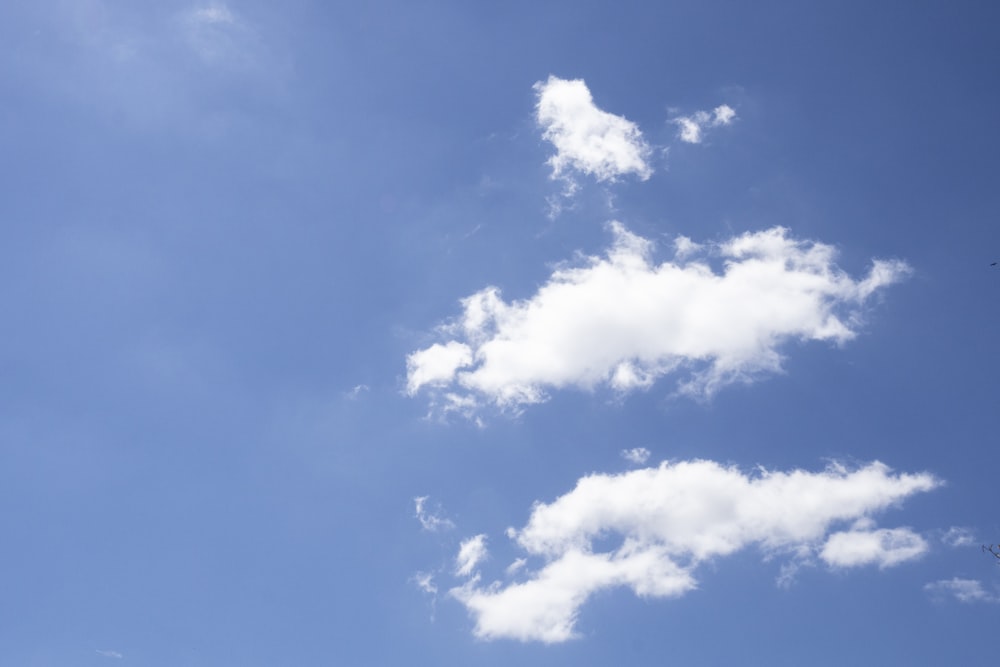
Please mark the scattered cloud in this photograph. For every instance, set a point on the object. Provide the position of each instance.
(110, 654)
(957, 536)
(587, 139)
(691, 129)
(864, 546)
(669, 520)
(425, 582)
(622, 321)
(636, 455)
(963, 590)
(470, 553)
(356, 391)
(428, 520)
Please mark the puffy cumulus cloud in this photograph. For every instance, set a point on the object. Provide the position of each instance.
(471, 552)
(664, 522)
(691, 129)
(864, 546)
(586, 138)
(963, 590)
(623, 321)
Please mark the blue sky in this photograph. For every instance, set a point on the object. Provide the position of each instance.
(582, 333)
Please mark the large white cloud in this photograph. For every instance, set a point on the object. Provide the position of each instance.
(586, 138)
(669, 519)
(623, 321)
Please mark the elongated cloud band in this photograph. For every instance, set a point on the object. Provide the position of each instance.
(587, 139)
(623, 321)
(670, 519)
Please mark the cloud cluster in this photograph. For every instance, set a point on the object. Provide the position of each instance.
(586, 138)
(672, 518)
(623, 321)
(691, 129)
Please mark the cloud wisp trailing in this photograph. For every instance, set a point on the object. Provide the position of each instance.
(967, 591)
(587, 139)
(429, 520)
(668, 520)
(623, 321)
(691, 129)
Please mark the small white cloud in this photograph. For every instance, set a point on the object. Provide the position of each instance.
(429, 521)
(587, 139)
(691, 129)
(669, 520)
(958, 537)
(518, 564)
(110, 654)
(886, 547)
(470, 553)
(636, 455)
(622, 321)
(425, 582)
(356, 391)
(963, 590)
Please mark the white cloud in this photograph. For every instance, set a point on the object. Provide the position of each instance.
(863, 546)
(586, 138)
(670, 519)
(958, 537)
(621, 321)
(637, 455)
(425, 582)
(470, 553)
(691, 129)
(436, 365)
(429, 521)
(110, 654)
(964, 590)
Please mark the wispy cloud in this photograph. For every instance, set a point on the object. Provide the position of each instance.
(110, 654)
(622, 321)
(957, 536)
(691, 129)
(429, 520)
(636, 455)
(963, 590)
(587, 139)
(470, 554)
(670, 519)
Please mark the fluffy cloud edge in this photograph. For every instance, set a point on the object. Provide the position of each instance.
(623, 321)
(587, 139)
(672, 518)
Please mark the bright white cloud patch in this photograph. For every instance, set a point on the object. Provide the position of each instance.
(668, 520)
(622, 321)
(863, 546)
(637, 455)
(470, 553)
(963, 590)
(691, 129)
(587, 139)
